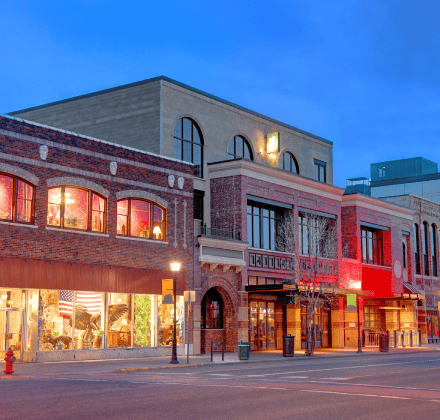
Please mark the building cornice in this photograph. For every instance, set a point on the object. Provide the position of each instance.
(273, 175)
(371, 203)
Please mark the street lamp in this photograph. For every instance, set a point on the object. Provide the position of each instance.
(175, 268)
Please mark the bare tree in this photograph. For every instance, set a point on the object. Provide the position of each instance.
(312, 240)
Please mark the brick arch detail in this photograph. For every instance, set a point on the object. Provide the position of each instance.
(229, 332)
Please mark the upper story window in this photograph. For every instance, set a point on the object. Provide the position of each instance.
(141, 218)
(381, 172)
(417, 247)
(288, 162)
(320, 171)
(262, 224)
(188, 144)
(17, 200)
(198, 204)
(434, 249)
(239, 148)
(76, 208)
(372, 247)
(317, 236)
(425, 248)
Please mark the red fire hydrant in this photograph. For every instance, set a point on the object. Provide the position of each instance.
(10, 359)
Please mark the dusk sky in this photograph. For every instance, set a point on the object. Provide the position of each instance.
(365, 75)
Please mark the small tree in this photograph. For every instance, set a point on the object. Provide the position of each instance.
(312, 241)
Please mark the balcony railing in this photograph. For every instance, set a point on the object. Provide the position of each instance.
(220, 233)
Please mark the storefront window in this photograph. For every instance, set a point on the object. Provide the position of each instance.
(165, 319)
(119, 320)
(54, 321)
(143, 331)
(89, 320)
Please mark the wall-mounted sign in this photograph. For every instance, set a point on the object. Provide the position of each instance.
(351, 303)
(273, 142)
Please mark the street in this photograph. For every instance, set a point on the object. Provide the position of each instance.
(380, 387)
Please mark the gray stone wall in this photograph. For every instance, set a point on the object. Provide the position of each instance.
(129, 116)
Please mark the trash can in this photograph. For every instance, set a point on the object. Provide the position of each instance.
(288, 345)
(243, 350)
(384, 342)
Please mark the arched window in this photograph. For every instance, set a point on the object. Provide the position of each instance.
(72, 207)
(141, 218)
(188, 144)
(212, 309)
(17, 199)
(239, 148)
(417, 247)
(288, 162)
(425, 248)
(434, 250)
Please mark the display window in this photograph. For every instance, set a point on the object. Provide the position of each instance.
(12, 302)
(165, 322)
(119, 320)
(143, 328)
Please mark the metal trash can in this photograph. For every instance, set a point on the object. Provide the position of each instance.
(384, 342)
(288, 345)
(243, 350)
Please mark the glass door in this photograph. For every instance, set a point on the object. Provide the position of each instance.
(262, 325)
(10, 331)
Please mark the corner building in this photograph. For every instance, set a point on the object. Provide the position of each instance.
(250, 171)
(88, 232)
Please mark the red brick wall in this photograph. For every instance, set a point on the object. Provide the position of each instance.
(63, 246)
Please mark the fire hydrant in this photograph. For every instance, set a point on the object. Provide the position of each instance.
(10, 359)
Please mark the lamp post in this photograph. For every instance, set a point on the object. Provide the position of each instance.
(175, 268)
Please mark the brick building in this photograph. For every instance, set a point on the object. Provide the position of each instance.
(251, 174)
(88, 231)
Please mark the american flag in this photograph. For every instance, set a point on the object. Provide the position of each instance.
(90, 300)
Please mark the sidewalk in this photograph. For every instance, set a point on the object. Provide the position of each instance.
(48, 369)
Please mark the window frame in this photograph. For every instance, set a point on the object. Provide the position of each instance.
(151, 217)
(293, 162)
(372, 246)
(14, 199)
(232, 156)
(320, 171)
(425, 248)
(198, 168)
(273, 215)
(62, 205)
(417, 248)
(434, 250)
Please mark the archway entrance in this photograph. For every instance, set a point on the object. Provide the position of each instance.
(218, 322)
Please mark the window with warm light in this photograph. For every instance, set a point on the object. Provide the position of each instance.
(141, 218)
(76, 208)
(17, 200)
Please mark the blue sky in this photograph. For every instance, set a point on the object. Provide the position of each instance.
(365, 75)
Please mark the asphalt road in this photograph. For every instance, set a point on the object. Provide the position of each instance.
(389, 387)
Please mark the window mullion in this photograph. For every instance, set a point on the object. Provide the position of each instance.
(62, 203)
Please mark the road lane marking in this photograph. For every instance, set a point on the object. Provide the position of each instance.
(358, 395)
(350, 367)
(220, 374)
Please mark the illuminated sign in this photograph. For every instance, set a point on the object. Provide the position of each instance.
(273, 142)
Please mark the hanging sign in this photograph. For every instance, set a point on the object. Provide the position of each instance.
(351, 303)
(167, 292)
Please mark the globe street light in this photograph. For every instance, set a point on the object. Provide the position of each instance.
(175, 268)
